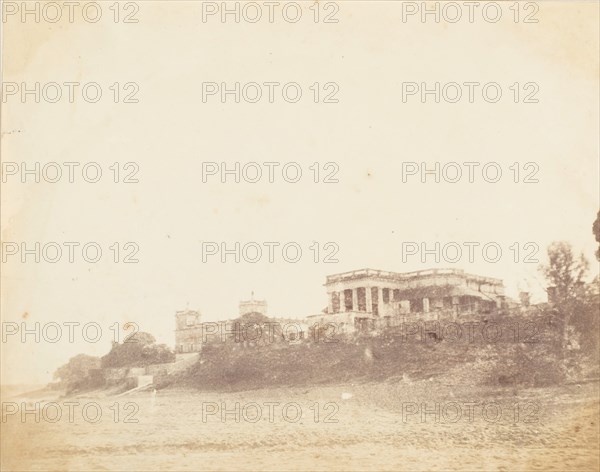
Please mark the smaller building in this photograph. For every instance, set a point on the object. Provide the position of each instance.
(188, 331)
(191, 333)
(253, 306)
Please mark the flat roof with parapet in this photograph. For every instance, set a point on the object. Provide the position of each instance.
(397, 276)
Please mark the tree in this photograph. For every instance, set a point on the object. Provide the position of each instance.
(576, 301)
(76, 372)
(256, 328)
(142, 338)
(138, 350)
(596, 231)
(565, 272)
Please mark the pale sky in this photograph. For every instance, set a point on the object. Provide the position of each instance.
(369, 53)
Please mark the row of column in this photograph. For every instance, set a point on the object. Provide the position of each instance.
(341, 300)
(374, 301)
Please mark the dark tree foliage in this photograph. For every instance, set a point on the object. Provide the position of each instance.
(577, 301)
(564, 271)
(76, 373)
(138, 350)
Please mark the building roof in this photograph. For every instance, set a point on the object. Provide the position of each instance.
(406, 276)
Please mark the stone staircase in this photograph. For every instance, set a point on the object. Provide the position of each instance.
(181, 364)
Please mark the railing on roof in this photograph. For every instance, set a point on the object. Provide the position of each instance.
(407, 275)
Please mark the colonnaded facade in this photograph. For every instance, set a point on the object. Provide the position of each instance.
(366, 299)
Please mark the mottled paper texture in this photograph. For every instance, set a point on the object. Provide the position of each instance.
(352, 235)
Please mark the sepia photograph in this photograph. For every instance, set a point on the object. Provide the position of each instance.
(354, 235)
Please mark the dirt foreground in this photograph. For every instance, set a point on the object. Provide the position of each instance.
(396, 425)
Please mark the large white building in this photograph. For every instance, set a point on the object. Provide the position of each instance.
(367, 299)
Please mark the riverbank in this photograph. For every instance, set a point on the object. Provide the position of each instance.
(348, 426)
